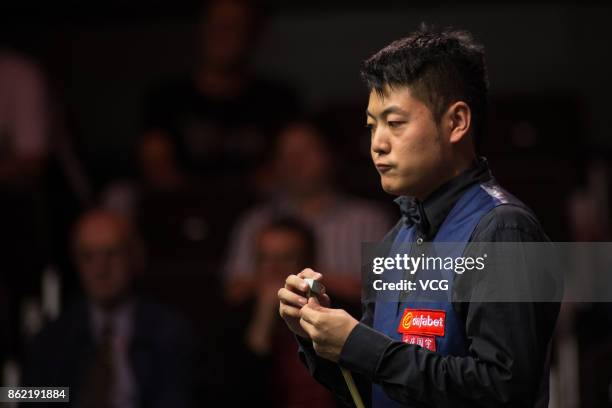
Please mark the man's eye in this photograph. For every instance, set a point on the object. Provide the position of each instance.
(395, 123)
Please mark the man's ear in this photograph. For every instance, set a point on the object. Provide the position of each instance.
(459, 121)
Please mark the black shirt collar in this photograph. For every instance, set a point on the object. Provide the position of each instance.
(429, 214)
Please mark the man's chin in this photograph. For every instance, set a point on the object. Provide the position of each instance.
(391, 188)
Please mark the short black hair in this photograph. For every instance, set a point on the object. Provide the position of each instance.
(440, 66)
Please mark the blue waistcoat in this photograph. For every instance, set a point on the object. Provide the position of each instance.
(458, 227)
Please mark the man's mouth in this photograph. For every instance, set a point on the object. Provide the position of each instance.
(383, 167)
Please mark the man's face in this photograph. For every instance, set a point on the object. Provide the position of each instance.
(302, 161)
(105, 258)
(408, 149)
(280, 253)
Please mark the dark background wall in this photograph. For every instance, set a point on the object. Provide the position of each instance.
(103, 59)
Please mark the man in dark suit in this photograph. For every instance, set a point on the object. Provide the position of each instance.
(113, 348)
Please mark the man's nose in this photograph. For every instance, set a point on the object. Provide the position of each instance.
(380, 142)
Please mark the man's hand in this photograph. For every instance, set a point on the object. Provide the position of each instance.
(293, 297)
(328, 328)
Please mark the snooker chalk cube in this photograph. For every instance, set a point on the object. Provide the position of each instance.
(315, 288)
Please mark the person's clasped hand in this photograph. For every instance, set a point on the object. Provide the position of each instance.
(313, 319)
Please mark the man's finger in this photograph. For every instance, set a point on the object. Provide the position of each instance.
(311, 312)
(294, 283)
(291, 298)
(314, 303)
(309, 273)
(289, 311)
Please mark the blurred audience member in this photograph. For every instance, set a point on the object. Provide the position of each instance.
(219, 120)
(584, 359)
(113, 348)
(24, 133)
(304, 167)
(283, 246)
(157, 173)
(23, 120)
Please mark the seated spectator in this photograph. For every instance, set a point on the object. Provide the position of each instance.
(157, 172)
(219, 120)
(24, 151)
(113, 348)
(304, 165)
(283, 246)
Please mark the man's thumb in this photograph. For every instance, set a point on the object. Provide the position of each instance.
(314, 303)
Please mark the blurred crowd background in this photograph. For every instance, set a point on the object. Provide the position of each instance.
(186, 157)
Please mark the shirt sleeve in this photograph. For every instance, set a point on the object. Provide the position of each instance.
(508, 344)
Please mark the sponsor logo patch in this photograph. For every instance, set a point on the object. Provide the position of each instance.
(423, 322)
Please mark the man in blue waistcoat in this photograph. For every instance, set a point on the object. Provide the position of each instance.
(425, 113)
